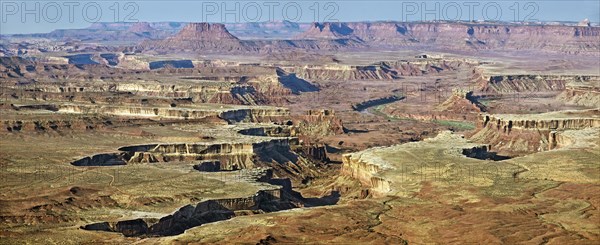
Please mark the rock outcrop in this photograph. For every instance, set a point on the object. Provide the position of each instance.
(141, 28)
(317, 123)
(200, 36)
(376, 102)
(387, 70)
(366, 170)
(530, 83)
(230, 156)
(327, 30)
(233, 114)
(461, 101)
(461, 105)
(582, 92)
(532, 133)
(464, 36)
(399, 169)
(271, 199)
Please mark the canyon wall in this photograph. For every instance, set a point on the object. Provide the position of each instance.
(317, 123)
(379, 71)
(366, 170)
(376, 102)
(268, 199)
(532, 133)
(529, 83)
(463, 36)
(250, 114)
(230, 156)
(582, 94)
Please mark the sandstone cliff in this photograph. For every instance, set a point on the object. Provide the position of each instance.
(532, 133)
(470, 36)
(582, 92)
(529, 83)
(200, 36)
(398, 170)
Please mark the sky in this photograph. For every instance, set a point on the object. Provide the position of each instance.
(41, 16)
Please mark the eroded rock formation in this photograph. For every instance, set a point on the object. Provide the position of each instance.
(529, 83)
(532, 133)
(395, 170)
(464, 36)
(273, 198)
(582, 92)
(200, 36)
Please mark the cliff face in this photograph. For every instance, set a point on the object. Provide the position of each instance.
(582, 92)
(262, 114)
(366, 171)
(200, 36)
(507, 123)
(327, 30)
(461, 102)
(530, 83)
(204, 31)
(260, 86)
(449, 35)
(378, 71)
(230, 156)
(269, 199)
(216, 210)
(556, 38)
(460, 106)
(589, 97)
(532, 133)
(344, 72)
(317, 123)
(398, 170)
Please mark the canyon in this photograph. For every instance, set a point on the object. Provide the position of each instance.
(274, 132)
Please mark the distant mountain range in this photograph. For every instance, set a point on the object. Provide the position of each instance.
(269, 37)
(136, 31)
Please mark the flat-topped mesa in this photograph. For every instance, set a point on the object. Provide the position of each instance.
(230, 114)
(398, 170)
(386, 70)
(545, 121)
(582, 92)
(226, 156)
(200, 37)
(326, 30)
(529, 83)
(469, 36)
(204, 32)
(268, 198)
(533, 132)
(344, 72)
(141, 27)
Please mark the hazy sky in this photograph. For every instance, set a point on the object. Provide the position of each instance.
(46, 15)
